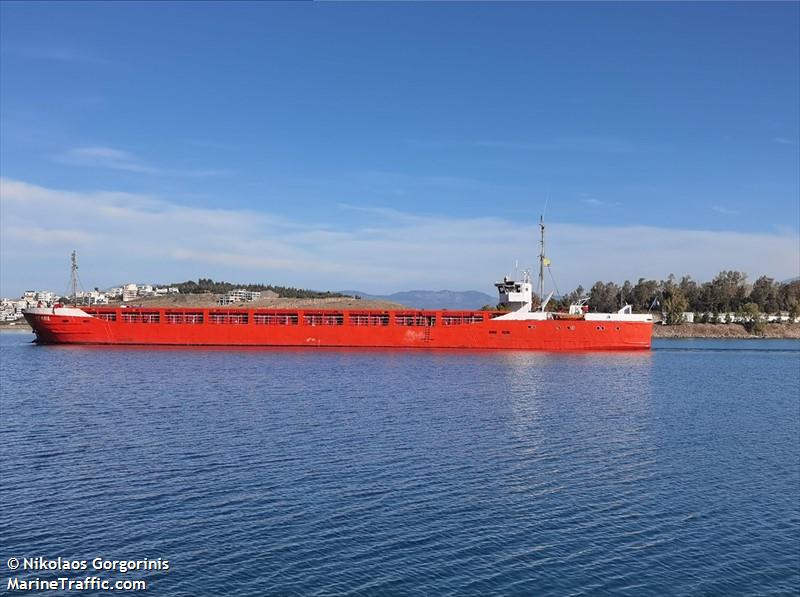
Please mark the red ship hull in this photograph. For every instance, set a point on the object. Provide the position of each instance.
(328, 328)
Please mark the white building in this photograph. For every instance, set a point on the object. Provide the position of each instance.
(239, 295)
(11, 310)
(129, 292)
(95, 297)
(165, 290)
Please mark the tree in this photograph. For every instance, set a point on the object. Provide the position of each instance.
(674, 304)
(794, 311)
(691, 291)
(788, 295)
(765, 295)
(727, 291)
(643, 294)
(752, 318)
(564, 302)
(604, 297)
(626, 294)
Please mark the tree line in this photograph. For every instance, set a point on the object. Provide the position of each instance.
(207, 285)
(729, 292)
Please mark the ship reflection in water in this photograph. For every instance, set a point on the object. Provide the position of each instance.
(408, 472)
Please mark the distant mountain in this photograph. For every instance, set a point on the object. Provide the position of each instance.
(432, 299)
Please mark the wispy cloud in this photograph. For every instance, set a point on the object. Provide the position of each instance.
(129, 237)
(41, 236)
(600, 203)
(784, 141)
(725, 210)
(387, 213)
(68, 54)
(566, 143)
(587, 144)
(105, 157)
(99, 156)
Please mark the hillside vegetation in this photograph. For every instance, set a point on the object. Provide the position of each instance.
(207, 285)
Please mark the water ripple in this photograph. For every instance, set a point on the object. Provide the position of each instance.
(410, 473)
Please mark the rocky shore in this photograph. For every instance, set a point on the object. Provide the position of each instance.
(725, 330)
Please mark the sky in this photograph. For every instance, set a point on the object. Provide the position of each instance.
(395, 146)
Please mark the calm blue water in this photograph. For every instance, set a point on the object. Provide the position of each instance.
(328, 472)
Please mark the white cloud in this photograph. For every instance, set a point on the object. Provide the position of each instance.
(784, 141)
(98, 156)
(128, 237)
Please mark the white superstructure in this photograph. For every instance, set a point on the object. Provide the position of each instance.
(518, 298)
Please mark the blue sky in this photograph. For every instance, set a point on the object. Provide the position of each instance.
(391, 146)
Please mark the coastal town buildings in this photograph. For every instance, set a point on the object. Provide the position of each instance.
(11, 308)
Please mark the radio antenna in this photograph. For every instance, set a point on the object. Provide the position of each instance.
(541, 257)
(74, 278)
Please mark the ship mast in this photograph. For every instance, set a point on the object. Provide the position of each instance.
(74, 278)
(541, 258)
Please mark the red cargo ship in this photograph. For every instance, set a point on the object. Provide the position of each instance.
(519, 327)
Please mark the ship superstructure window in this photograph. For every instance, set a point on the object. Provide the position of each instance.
(323, 319)
(141, 317)
(414, 319)
(184, 317)
(461, 318)
(369, 319)
(275, 318)
(225, 317)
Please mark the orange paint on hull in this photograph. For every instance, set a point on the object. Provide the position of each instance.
(326, 328)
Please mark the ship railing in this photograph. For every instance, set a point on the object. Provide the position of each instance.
(275, 318)
(141, 317)
(323, 318)
(462, 318)
(414, 319)
(190, 317)
(368, 319)
(228, 317)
